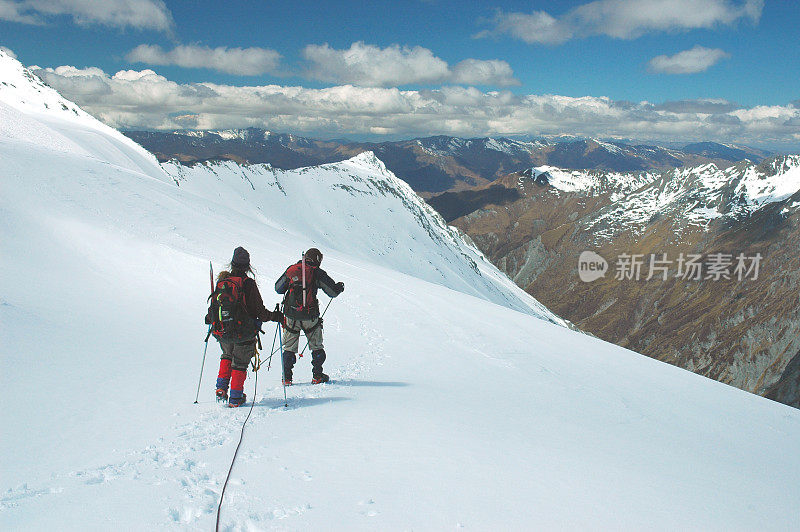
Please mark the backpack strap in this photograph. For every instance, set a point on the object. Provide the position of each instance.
(286, 326)
(244, 294)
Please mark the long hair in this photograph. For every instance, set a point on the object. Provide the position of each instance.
(234, 269)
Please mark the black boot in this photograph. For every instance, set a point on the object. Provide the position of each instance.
(317, 359)
(319, 379)
(289, 359)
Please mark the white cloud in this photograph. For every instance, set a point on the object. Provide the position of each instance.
(239, 61)
(537, 27)
(480, 72)
(698, 59)
(365, 64)
(13, 11)
(767, 112)
(144, 99)
(8, 51)
(622, 19)
(138, 14)
(369, 65)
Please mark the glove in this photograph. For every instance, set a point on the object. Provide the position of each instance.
(277, 315)
(340, 287)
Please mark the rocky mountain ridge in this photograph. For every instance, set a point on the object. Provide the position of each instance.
(435, 164)
(739, 326)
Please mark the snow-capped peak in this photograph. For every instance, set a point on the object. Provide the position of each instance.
(511, 146)
(689, 196)
(590, 182)
(696, 196)
(32, 112)
(23, 90)
(447, 146)
(370, 161)
(773, 181)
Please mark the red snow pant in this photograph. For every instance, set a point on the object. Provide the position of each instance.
(233, 363)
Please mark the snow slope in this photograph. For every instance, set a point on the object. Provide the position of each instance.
(362, 209)
(448, 410)
(32, 112)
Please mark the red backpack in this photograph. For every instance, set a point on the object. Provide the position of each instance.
(300, 300)
(231, 321)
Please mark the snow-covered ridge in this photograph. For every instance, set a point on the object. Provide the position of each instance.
(450, 146)
(691, 196)
(30, 111)
(23, 90)
(772, 181)
(359, 207)
(226, 134)
(695, 196)
(589, 182)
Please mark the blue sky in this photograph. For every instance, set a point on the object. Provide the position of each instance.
(612, 68)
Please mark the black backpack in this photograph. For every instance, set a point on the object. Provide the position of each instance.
(231, 322)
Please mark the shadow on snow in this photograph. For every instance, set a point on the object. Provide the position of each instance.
(297, 402)
(391, 384)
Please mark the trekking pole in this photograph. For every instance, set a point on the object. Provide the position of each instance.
(202, 365)
(205, 349)
(320, 319)
(274, 337)
(272, 351)
(283, 370)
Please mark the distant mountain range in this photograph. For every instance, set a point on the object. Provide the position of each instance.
(437, 164)
(740, 328)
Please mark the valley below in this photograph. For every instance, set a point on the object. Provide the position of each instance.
(736, 326)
